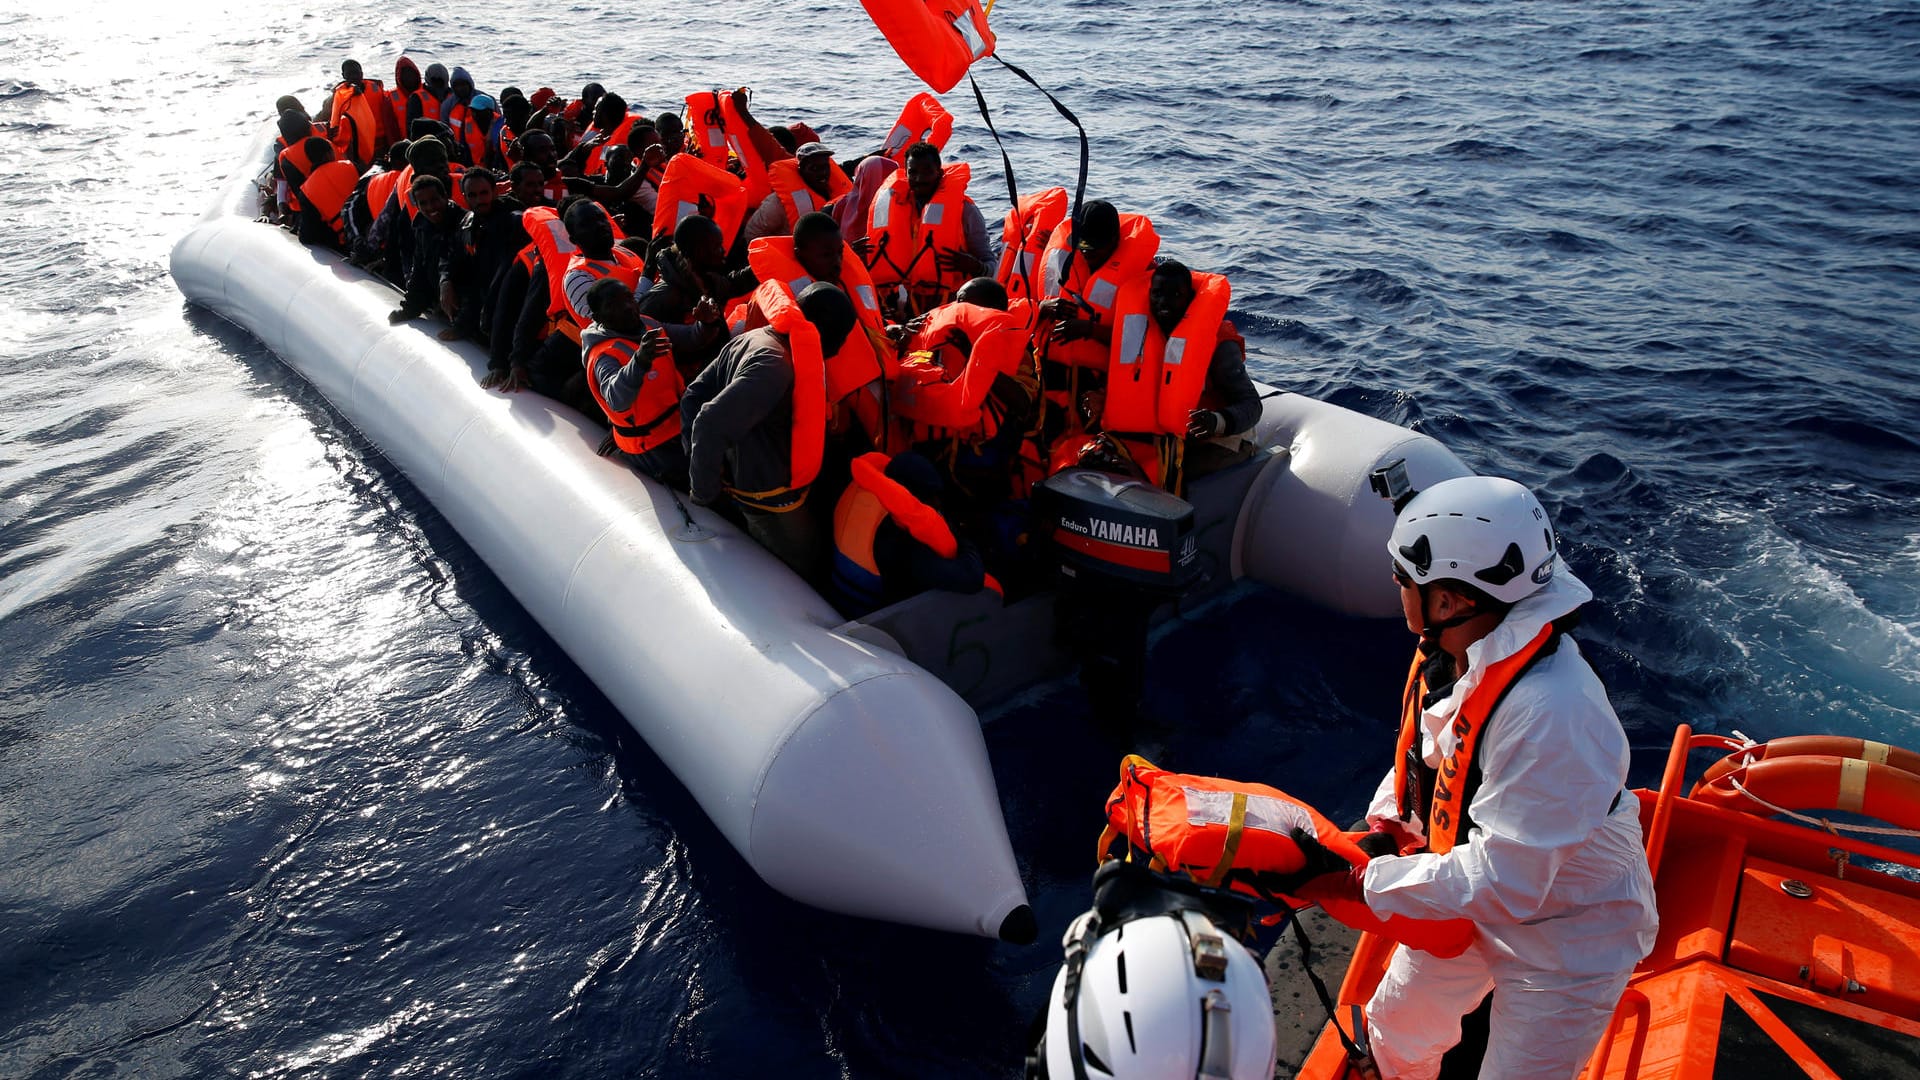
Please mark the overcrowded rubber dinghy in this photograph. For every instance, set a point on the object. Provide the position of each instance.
(843, 760)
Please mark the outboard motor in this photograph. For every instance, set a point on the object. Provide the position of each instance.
(1122, 547)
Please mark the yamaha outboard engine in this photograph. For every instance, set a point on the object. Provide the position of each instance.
(1122, 548)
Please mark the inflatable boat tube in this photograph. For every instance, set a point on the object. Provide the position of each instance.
(848, 777)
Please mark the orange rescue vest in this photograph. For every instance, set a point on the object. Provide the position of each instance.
(1222, 833)
(796, 198)
(1023, 240)
(359, 122)
(397, 105)
(771, 258)
(688, 178)
(626, 265)
(716, 128)
(938, 39)
(908, 240)
(596, 158)
(922, 119)
(654, 417)
(380, 188)
(943, 386)
(1064, 273)
(328, 190)
(295, 167)
(1442, 796)
(1156, 379)
(868, 502)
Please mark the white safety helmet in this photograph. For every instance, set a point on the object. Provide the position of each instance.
(1164, 997)
(1486, 531)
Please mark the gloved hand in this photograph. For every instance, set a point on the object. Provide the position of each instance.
(1387, 837)
(1318, 864)
(1205, 423)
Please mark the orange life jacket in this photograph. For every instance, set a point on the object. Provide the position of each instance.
(686, 179)
(771, 258)
(295, 167)
(943, 386)
(809, 402)
(596, 158)
(1155, 379)
(470, 134)
(865, 358)
(867, 503)
(1222, 832)
(403, 187)
(549, 235)
(1064, 273)
(654, 417)
(922, 119)
(397, 105)
(359, 122)
(796, 198)
(380, 188)
(328, 190)
(1442, 796)
(714, 128)
(1023, 240)
(938, 39)
(626, 265)
(907, 240)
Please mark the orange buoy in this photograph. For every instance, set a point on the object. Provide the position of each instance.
(1817, 782)
(1813, 746)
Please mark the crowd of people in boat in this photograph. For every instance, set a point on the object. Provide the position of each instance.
(834, 349)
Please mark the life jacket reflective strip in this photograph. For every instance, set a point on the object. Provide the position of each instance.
(687, 178)
(796, 198)
(1023, 240)
(1064, 273)
(360, 138)
(626, 265)
(908, 240)
(997, 343)
(867, 503)
(717, 128)
(1447, 792)
(809, 400)
(596, 158)
(922, 119)
(654, 417)
(1156, 379)
(328, 190)
(1225, 832)
(397, 103)
(549, 235)
(938, 39)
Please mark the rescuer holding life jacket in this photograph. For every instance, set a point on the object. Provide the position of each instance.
(924, 235)
(807, 182)
(755, 421)
(1505, 799)
(891, 539)
(631, 373)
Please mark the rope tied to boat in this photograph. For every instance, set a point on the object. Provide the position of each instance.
(1832, 827)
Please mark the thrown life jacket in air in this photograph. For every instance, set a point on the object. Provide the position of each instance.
(360, 122)
(687, 179)
(938, 39)
(1023, 240)
(1440, 797)
(1064, 273)
(953, 361)
(715, 128)
(653, 419)
(907, 240)
(1221, 833)
(327, 191)
(868, 502)
(922, 119)
(809, 402)
(1154, 380)
(796, 197)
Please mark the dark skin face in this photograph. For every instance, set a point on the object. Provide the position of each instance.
(592, 231)
(479, 196)
(821, 256)
(816, 171)
(709, 254)
(608, 113)
(539, 149)
(1167, 298)
(923, 177)
(671, 134)
(620, 313)
(433, 203)
(1097, 253)
(527, 186)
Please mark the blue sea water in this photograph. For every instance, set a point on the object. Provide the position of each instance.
(290, 786)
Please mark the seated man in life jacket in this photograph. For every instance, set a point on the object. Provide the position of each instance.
(891, 539)
(489, 237)
(925, 237)
(810, 182)
(691, 288)
(438, 90)
(630, 371)
(547, 339)
(755, 422)
(291, 163)
(409, 99)
(611, 125)
(324, 196)
(358, 117)
(435, 230)
(1169, 421)
(391, 237)
(537, 148)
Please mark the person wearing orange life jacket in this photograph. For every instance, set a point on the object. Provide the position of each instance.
(755, 421)
(1081, 275)
(435, 228)
(924, 235)
(409, 100)
(1505, 804)
(891, 540)
(631, 186)
(537, 148)
(692, 288)
(324, 196)
(291, 163)
(961, 388)
(575, 251)
(597, 256)
(811, 180)
(391, 237)
(508, 304)
(359, 117)
(460, 90)
(476, 121)
(631, 373)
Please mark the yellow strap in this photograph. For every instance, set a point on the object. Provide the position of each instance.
(1853, 786)
(987, 12)
(1875, 752)
(1236, 825)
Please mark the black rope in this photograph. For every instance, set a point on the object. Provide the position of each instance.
(1013, 192)
(1080, 185)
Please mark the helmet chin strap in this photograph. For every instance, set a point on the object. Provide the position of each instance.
(1431, 629)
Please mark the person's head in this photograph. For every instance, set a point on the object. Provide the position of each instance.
(478, 185)
(397, 154)
(460, 83)
(609, 112)
(983, 292)
(406, 74)
(672, 132)
(285, 102)
(319, 150)
(543, 97)
(1464, 552)
(700, 241)
(816, 167)
(537, 147)
(923, 170)
(428, 156)
(640, 136)
(1169, 293)
(350, 72)
(830, 312)
(484, 109)
(516, 111)
(818, 247)
(295, 126)
(1098, 235)
(529, 184)
(590, 96)
(425, 127)
(784, 136)
(612, 305)
(430, 196)
(436, 80)
(590, 229)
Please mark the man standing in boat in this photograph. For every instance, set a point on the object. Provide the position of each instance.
(1505, 804)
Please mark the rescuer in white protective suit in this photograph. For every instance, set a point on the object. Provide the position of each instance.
(1506, 800)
